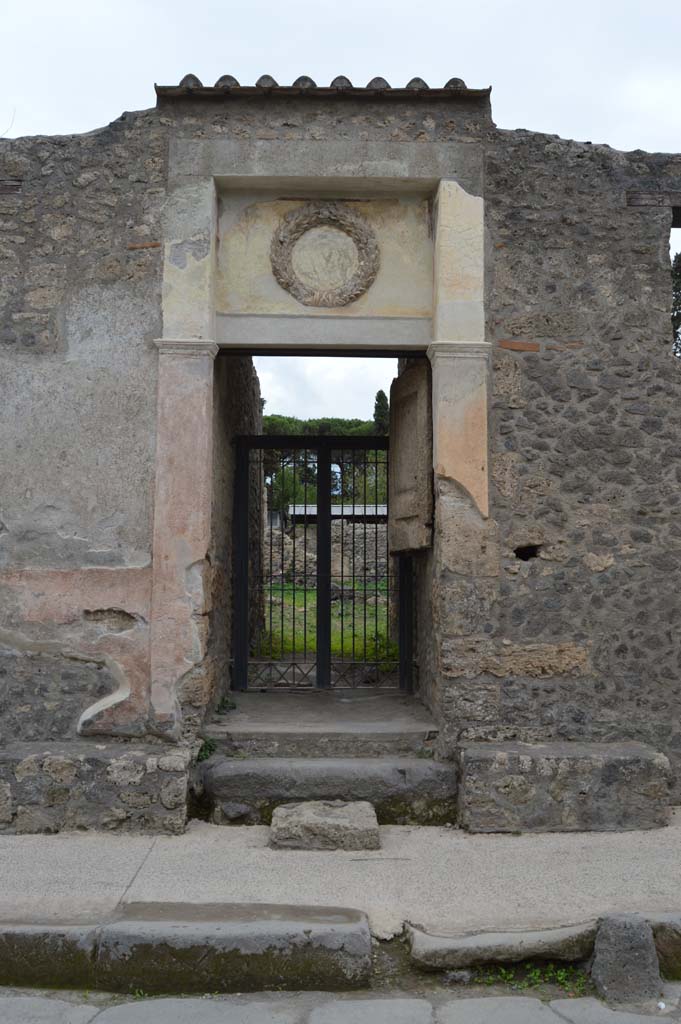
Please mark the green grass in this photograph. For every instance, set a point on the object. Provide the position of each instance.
(290, 622)
(573, 980)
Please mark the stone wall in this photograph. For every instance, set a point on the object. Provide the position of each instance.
(111, 787)
(80, 272)
(358, 550)
(237, 411)
(581, 641)
(556, 617)
(80, 309)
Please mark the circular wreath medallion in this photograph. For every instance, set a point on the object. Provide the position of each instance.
(352, 272)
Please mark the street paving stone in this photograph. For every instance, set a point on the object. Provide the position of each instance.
(373, 1011)
(322, 1008)
(591, 1011)
(205, 1011)
(496, 1010)
(37, 1010)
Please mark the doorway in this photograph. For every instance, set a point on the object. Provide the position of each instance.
(319, 600)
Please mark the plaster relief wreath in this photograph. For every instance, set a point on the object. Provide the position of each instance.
(325, 254)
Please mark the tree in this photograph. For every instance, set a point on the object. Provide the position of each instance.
(381, 413)
(676, 303)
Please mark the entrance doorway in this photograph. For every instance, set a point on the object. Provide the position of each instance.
(319, 602)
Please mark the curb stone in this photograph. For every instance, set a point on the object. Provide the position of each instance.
(625, 966)
(436, 952)
(189, 948)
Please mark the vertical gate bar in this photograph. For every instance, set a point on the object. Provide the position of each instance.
(343, 484)
(270, 514)
(294, 652)
(282, 574)
(240, 637)
(390, 581)
(353, 500)
(324, 566)
(375, 589)
(406, 626)
(364, 573)
(305, 474)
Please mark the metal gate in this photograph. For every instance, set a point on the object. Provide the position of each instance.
(318, 599)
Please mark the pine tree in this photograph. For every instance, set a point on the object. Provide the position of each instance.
(381, 413)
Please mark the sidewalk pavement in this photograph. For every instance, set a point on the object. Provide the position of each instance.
(322, 1008)
(441, 879)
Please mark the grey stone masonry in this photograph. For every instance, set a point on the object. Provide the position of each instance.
(562, 787)
(325, 825)
(51, 787)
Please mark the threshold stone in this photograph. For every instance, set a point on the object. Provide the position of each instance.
(325, 825)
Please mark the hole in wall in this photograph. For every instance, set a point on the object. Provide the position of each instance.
(113, 620)
(527, 551)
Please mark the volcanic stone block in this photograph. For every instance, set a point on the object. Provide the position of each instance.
(625, 967)
(175, 947)
(403, 790)
(440, 952)
(562, 787)
(325, 825)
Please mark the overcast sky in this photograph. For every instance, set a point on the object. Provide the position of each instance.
(599, 70)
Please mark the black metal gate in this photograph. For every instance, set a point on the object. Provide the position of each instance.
(318, 599)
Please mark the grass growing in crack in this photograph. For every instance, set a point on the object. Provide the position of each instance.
(225, 705)
(574, 981)
(206, 750)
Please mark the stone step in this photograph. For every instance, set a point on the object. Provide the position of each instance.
(562, 787)
(180, 947)
(325, 825)
(313, 724)
(403, 790)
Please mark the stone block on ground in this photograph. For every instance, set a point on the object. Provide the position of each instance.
(403, 790)
(625, 967)
(325, 825)
(440, 952)
(562, 787)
